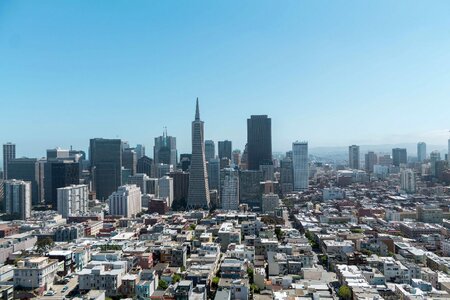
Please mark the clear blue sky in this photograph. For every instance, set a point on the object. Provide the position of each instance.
(331, 72)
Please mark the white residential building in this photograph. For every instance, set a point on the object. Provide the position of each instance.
(126, 201)
(408, 180)
(35, 272)
(300, 165)
(73, 200)
(165, 189)
(17, 198)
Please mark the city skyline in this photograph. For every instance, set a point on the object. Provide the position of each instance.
(288, 62)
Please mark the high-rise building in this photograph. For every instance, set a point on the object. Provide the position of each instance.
(435, 156)
(106, 162)
(140, 179)
(259, 141)
(165, 150)
(162, 170)
(145, 165)
(210, 150)
(421, 151)
(58, 174)
(286, 175)
(165, 188)
(126, 201)
(385, 160)
(371, 160)
(268, 171)
(198, 179)
(73, 200)
(214, 173)
(408, 180)
(448, 152)
(140, 151)
(26, 169)
(224, 149)
(17, 198)
(353, 157)
(9, 153)
(250, 191)
(129, 159)
(236, 160)
(399, 156)
(57, 153)
(180, 189)
(185, 161)
(229, 189)
(300, 165)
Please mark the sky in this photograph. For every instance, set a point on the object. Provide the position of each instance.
(333, 73)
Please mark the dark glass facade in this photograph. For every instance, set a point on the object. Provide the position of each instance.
(106, 161)
(259, 141)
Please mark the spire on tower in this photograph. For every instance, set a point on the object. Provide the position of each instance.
(197, 112)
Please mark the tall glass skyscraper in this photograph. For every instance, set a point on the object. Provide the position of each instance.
(198, 180)
(300, 164)
(106, 163)
(422, 151)
(9, 153)
(165, 150)
(259, 141)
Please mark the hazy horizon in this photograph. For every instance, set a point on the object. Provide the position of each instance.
(331, 73)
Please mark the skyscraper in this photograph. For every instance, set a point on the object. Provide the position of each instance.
(9, 153)
(198, 179)
(224, 149)
(129, 160)
(58, 174)
(259, 141)
(17, 199)
(229, 189)
(286, 175)
(353, 157)
(165, 189)
(422, 151)
(435, 156)
(210, 150)
(26, 169)
(106, 161)
(448, 152)
(213, 174)
(371, 159)
(300, 165)
(399, 156)
(145, 165)
(165, 150)
(140, 151)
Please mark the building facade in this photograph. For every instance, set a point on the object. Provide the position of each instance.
(126, 201)
(106, 162)
(259, 141)
(17, 198)
(73, 200)
(300, 165)
(198, 180)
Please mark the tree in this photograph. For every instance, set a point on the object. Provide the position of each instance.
(255, 289)
(192, 227)
(44, 244)
(278, 233)
(215, 282)
(162, 285)
(344, 292)
(250, 275)
(176, 278)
